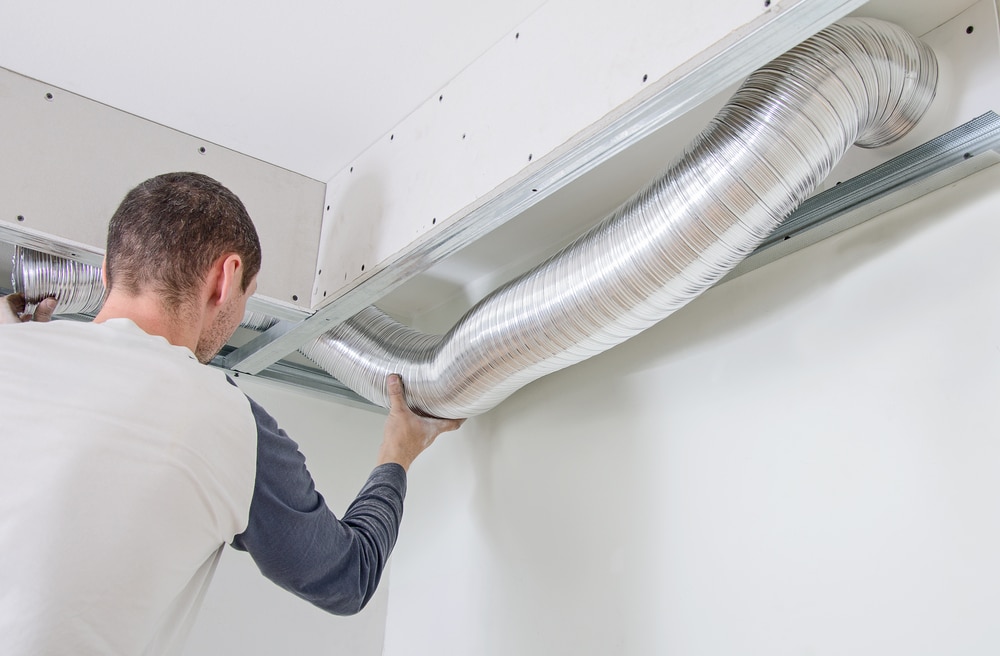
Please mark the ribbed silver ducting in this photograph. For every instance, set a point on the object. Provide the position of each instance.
(860, 81)
(39, 275)
(257, 321)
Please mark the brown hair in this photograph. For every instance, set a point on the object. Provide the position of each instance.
(169, 230)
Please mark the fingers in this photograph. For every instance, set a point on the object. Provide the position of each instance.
(445, 425)
(397, 400)
(407, 434)
(397, 403)
(45, 309)
(17, 303)
(11, 308)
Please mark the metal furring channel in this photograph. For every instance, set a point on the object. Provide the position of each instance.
(859, 81)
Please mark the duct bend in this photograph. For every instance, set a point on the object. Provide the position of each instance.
(859, 81)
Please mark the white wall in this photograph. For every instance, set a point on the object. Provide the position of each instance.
(244, 613)
(803, 461)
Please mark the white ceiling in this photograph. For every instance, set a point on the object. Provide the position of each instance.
(305, 85)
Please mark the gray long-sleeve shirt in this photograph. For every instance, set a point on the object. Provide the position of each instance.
(297, 541)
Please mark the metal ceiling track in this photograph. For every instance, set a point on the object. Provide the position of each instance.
(303, 377)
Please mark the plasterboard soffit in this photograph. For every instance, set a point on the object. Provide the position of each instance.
(544, 171)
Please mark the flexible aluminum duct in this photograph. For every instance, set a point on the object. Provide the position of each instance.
(76, 285)
(860, 81)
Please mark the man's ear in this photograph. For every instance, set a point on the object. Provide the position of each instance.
(228, 278)
(104, 272)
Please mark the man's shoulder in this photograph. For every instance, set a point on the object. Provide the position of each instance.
(54, 334)
(114, 353)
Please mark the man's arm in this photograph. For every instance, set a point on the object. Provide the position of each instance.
(294, 538)
(12, 309)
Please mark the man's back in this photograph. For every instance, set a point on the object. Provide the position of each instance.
(124, 466)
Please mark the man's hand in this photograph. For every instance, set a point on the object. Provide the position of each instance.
(12, 309)
(408, 434)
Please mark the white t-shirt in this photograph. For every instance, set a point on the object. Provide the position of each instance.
(118, 450)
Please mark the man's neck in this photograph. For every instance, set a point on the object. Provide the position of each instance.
(152, 317)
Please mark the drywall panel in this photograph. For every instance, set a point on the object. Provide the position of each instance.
(243, 612)
(508, 126)
(304, 85)
(68, 161)
(801, 461)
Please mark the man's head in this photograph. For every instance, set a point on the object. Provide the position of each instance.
(169, 230)
(186, 241)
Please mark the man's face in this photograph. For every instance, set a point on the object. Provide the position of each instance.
(226, 322)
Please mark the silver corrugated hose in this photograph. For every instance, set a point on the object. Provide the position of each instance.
(76, 285)
(859, 81)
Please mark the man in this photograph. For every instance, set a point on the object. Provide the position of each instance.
(126, 464)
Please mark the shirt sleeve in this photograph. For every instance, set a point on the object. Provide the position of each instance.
(297, 541)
